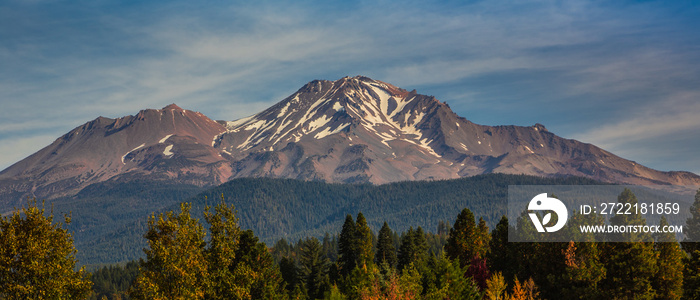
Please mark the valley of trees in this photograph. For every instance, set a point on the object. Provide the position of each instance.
(186, 258)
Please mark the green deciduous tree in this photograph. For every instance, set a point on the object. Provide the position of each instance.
(225, 280)
(37, 258)
(175, 266)
(181, 265)
(496, 288)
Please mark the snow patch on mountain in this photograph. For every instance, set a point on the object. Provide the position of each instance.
(318, 123)
(167, 151)
(327, 131)
(164, 139)
(232, 125)
(132, 150)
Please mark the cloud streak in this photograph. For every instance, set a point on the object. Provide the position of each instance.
(616, 74)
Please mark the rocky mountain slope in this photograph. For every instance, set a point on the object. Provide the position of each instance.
(355, 129)
(125, 148)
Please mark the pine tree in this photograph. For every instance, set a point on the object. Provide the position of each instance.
(290, 273)
(330, 247)
(576, 269)
(265, 279)
(420, 244)
(37, 258)
(175, 266)
(363, 242)
(583, 272)
(347, 253)
(386, 252)
(465, 241)
(668, 281)
(406, 250)
(500, 256)
(443, 228)
(624, 258)
(361, 282)
(547, 262)
(526, 255)
(691, 276)
(483, 239)
(313, 269)
(692, 227)
(413, 249)
(446, 281)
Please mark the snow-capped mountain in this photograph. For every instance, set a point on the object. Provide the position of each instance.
(355, 129)
(359, 129)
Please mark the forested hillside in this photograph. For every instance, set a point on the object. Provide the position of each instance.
(291, 209)
(110, 218)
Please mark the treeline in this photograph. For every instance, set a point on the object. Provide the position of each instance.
(277, 208)
(216, 259)
(109, 218)
(467, 260)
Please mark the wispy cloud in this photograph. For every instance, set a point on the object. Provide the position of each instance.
(658, 135)
(606, 73)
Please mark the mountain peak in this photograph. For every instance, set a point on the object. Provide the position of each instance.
(324, 108)
(172, 106)
(540, 127)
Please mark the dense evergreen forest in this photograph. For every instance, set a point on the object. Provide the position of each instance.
(109, 218)
(465, 259)
(293, 209)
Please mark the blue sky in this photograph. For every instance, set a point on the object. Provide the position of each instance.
(621, 75)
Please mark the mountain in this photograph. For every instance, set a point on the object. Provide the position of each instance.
(353, 130)
(363, 130)
(144, 145)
